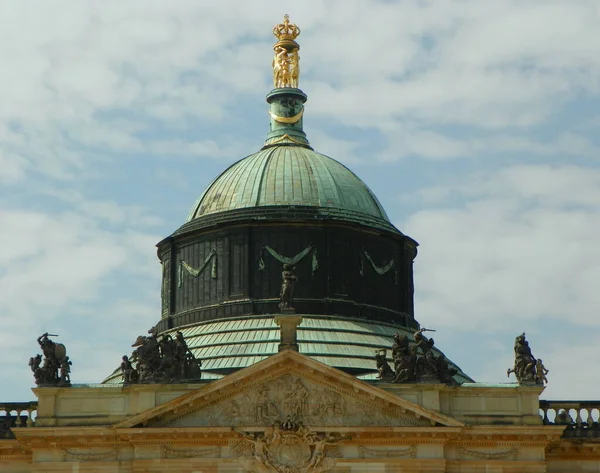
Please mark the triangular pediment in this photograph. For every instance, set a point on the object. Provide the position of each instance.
(289, 385)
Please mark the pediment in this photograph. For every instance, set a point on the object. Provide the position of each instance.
(289, 385)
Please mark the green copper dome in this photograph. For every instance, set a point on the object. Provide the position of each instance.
(288, 176)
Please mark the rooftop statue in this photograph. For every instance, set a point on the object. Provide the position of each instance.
(527, 369)
(287, 287)
(414, 362)
(55, 368)
(384, 369)
(161, 360)
(286, 62)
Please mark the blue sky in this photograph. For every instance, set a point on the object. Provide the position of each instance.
(477, 124)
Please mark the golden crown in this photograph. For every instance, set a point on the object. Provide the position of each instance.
(286, 30)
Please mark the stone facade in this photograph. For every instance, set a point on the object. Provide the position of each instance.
(292, 414)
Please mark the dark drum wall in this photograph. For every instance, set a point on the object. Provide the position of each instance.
(345, 282)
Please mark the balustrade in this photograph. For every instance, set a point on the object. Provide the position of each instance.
(16, 414)
(580, 417)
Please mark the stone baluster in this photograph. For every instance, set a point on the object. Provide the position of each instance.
(578, 416)
(590, 419)
(20, 413)
(30, 412)
(545, 419)
(22, 419)
(578, 419)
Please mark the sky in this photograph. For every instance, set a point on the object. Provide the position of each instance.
(476, 123)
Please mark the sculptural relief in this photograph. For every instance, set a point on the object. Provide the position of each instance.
(287, 447)
(294, 400)
(55, 368)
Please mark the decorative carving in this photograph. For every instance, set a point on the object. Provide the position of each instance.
(372, 452)
(287, 448)
(89, 456)
(287, 120)
(300, 401)
(177, 453)
(161, 361)
(415, 362)
(287, 287)
(286, 31)
(527, 369)
(56, 367)
(329, 404)
(212, 256)
(512, 453)
(381, 270)
(293, 260)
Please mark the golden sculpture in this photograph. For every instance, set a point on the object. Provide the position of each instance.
(286, 62)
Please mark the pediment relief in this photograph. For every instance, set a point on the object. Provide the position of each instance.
(303, 401)
(292, 385)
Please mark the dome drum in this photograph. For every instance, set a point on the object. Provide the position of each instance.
(342, 270)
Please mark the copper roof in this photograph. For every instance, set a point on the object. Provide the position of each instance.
(288, 176)
(227, 345)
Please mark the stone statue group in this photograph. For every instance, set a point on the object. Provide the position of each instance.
(160, 360)
(414, 361)
(527, 369)
(55, 367)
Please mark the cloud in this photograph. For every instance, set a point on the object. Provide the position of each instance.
(405, 140)
(102, 79)
(517, 245)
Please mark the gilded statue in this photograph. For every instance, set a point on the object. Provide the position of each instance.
(286, 61)
(294, 68)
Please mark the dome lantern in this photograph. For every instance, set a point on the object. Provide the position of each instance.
(286, 100)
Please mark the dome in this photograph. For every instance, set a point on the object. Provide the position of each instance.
(287, 175)
(222, 270)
